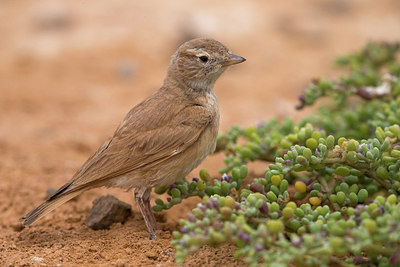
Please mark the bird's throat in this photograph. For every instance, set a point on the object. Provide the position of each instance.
(201, 85)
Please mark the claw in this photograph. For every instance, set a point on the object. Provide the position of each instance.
(152, 236)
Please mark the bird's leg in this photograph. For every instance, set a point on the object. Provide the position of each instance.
(146, 201)
(143, 209)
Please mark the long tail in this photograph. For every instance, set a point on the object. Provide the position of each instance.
(57, 199)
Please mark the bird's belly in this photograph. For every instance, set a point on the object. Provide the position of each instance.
(182, 164)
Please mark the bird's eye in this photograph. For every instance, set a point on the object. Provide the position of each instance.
(204, 59)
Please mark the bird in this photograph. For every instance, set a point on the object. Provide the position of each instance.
(160, 140)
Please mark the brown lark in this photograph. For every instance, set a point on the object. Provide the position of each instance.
(161, 139)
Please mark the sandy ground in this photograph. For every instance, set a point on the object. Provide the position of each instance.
(70, 70)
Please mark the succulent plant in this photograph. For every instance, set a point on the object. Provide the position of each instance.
(330, 193)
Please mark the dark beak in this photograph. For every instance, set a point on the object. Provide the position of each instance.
(232, 60)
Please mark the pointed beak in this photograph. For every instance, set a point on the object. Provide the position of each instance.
(232, 60)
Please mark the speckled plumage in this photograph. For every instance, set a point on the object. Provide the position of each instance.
(161, 139)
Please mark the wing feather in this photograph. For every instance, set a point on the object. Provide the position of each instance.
(131, 148)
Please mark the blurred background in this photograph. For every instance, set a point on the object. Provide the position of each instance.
(70, 71)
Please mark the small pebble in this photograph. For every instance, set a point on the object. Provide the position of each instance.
(17, 226)
(151, 255)
(37, 259)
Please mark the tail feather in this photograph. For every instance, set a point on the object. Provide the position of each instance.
(49, 205)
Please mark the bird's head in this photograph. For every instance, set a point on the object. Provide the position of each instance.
(199, 62)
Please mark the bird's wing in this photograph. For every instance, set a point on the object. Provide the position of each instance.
(131, 148)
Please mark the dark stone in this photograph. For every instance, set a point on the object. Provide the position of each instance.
(107, 210)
